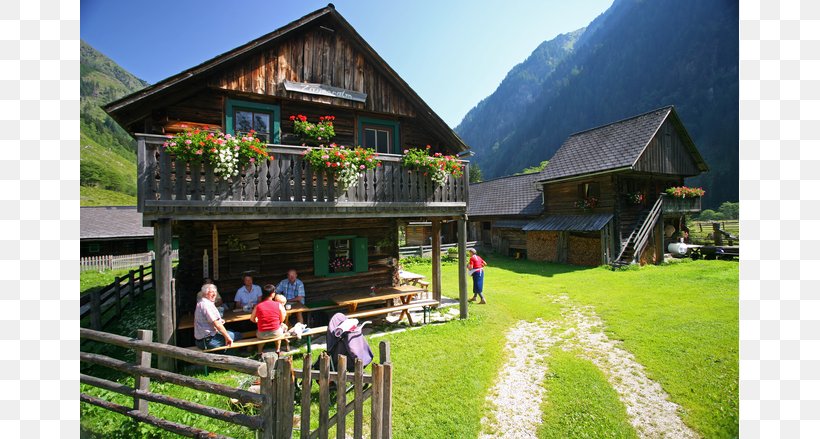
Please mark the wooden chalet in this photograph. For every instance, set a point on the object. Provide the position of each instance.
(500, 208)
(280, 214)
(644, 154)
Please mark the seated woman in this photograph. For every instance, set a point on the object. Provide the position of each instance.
(209, 328)
(269, 316)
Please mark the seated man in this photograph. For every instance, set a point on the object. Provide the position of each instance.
(248, 294)
(209, 328)
(293, 289)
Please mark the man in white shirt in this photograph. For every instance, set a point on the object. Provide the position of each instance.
(248, 294)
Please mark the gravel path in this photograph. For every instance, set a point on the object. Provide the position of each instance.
(516, 398)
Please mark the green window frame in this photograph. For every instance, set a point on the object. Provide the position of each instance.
(321, 255)
(232, 105)
(389, 124)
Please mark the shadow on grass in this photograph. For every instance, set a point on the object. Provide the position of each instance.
(526, 266)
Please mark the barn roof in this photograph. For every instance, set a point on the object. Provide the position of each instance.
(617, 145)
(573, 223)
(162, 88)
(513, 195)
(112, 222)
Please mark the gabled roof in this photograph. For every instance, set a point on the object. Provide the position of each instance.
(617, 145)
(572, 223)
(513, 195)
(112, 222)
(163, 87)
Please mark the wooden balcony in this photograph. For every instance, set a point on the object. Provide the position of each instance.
(681, 205)
(286, 187)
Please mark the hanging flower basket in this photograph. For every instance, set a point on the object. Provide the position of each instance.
(227, 153)
(314, 134)
(437, 167)
(345, 163)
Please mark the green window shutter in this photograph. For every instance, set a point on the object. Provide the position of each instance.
(360, 255)
(320, 257)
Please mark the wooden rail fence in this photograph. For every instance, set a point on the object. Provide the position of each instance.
(421, 250)
(123, 291)
(276, 401)
(119, 262)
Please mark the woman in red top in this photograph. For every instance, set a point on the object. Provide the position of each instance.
(269, 316)
(476, 266)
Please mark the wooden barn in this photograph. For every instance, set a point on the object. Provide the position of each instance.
(603, 192)
(500, 208)
(281, 214)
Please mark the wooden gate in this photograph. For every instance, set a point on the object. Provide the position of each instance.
(279, 382)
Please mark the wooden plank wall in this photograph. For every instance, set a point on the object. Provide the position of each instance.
(318, 56)
(270, 248)
(666, 154)
(418, 235)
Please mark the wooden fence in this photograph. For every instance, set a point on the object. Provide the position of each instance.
(276, 402)
(421, 250)
(119, 262)
(119, 293)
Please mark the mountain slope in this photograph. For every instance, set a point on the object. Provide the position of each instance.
(637, 56)
(107, 152)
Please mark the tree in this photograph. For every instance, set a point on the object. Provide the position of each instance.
(730, 210)
(533, 169)
(707, 215)
(475, 173)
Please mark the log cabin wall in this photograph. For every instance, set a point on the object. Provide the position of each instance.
(269, 248)
(667, 154)
(418, 234)
(560, 197)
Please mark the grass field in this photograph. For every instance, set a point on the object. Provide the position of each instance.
(680, 321)
(699, 231)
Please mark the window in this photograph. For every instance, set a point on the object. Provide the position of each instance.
(381, 135)
(589, 190)
(339, 255)
(94, 248)
(242, 117)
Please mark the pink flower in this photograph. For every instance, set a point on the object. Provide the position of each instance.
(361, 166)
(252, 160)
(188, 142)
(236, 148)
(325, 156)
(199, 152)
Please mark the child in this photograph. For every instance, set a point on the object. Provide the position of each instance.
(476, 266)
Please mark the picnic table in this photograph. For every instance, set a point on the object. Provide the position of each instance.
(405, 293)
(240, 315)
(409, 277)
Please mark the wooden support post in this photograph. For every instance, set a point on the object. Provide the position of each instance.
(142, 279)
(132, 295)
(384, 352)
(437, 259)
(377, 401)
(462, 267)
(358, 397)
(118, 294)
(387, 391)
(266, 389)
(307, 385)
(142, 359)
(324, 395)
(341, 396)
(163, 288)
(283, 385)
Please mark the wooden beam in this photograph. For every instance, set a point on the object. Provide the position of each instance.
(162, 286)
(462, 267)
(436, 259)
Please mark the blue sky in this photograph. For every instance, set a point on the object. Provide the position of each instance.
(452, 52)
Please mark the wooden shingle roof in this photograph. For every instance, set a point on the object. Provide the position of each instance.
(573, 223)
(112, 222)
(513, 195)
(617, 145)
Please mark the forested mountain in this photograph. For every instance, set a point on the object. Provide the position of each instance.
(637, 56)
(108, 170)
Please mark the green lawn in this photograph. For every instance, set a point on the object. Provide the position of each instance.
(680, 321)
(94, 280)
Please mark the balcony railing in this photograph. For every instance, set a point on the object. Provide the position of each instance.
(287, 186)
(681, 205)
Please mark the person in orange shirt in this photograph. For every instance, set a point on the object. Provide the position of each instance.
(476, 266)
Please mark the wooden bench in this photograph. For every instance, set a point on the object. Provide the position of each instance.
(253, 341)
(423, 304)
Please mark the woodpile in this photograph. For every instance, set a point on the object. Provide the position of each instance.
(584, 250)
(542, 246)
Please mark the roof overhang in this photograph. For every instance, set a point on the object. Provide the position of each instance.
(569, 223)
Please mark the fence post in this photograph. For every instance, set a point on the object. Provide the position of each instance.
(283, 383)
(341, 394)
(110, 262)
(421, 251)
(131, 293)
(142, 382)
(376, 408)
(95, 311)
(387, 390)
(324, 395)
(266, 389)
(117, 293)
(142, 279)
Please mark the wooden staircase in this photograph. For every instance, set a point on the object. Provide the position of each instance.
(635, 244)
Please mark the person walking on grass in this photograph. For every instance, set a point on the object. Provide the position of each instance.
(269, 316)
(476, 266)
